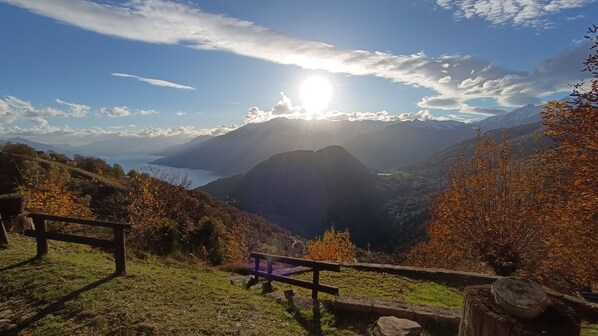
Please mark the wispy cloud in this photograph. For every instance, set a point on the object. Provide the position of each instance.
(461, 78)
(153, 81)
(515, 12)
(77, 110)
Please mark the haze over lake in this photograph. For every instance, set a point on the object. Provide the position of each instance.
(198, 177)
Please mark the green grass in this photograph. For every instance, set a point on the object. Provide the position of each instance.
(71, 292)
(387, 286)
(589, 329)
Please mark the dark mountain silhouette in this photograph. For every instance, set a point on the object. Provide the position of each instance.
(305, 191)
(377, 144)
(528, 137)
(243, 148)
(406, 142)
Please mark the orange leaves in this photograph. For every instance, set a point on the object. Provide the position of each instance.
(55, 198)
(486, 216)
(536, 217)
(333, 245)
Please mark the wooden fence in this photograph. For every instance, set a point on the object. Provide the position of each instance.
(316, 266)
(42, 235)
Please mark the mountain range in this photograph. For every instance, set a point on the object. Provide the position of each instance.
(379, 145)
(527, 114)
(305, 191)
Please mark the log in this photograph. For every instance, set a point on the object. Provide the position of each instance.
(483, 316)
(520, 297)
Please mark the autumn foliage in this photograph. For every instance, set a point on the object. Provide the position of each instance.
(333, 246)
(535, 216)
(486, 216)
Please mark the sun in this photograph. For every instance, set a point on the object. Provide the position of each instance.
(315, 93)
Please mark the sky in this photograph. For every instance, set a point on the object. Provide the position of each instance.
(74, 71)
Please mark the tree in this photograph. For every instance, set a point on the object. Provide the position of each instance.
(486, 216)
(52, 196)
(333, 245)
(572, 197)
(537, 217)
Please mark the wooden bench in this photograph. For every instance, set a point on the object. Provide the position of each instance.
(42, 235)
(316, 266)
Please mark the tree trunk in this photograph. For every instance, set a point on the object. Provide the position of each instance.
(482, 316)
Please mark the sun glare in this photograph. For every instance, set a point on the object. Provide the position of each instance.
(316, 93)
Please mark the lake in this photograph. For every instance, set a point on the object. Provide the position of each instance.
(198, 177)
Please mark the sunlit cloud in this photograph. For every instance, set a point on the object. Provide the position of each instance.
(285, 108)
(153, 81)
(457, 77)
(516, 12)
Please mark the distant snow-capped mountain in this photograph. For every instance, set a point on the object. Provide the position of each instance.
(527, 114)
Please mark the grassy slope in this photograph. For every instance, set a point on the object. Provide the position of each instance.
(388, 286)
(71, 293)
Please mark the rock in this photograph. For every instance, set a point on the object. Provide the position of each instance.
(394, 326)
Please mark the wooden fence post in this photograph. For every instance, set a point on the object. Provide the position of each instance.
(269, 265)
(40, 239)
(119, 251)
(314, 291)
(257, 268)
(3, 234)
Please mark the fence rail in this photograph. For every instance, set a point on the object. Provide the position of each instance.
(42, 236)
(316, 266)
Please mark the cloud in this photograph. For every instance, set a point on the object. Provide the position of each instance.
(124, 111)
(180, 113)
(515, 12)
(77, 110)
(13, 109)
(146, 112)
(153, 81)
(457, 77)
(115, 112)
(285, 108)
(42, 131)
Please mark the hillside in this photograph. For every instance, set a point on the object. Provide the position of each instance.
(306, 191)
(529, 137)
(241, 149)
(167, 217)
(72, 292)
(406, 142)
(379, 145)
